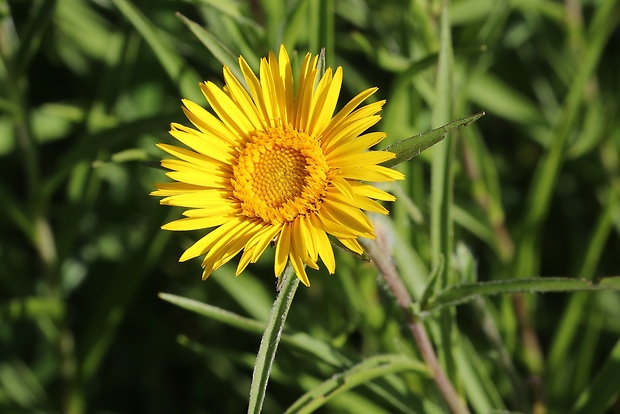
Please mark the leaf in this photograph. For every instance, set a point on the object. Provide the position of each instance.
(217, 48)
(213, 312)
(362, 373)
(177, 69)
(603, 389)
(413, 146)
(431, 286)
(458, 294)
(318, 349)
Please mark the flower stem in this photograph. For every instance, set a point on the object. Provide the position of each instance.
(392, 278)
(270, 340)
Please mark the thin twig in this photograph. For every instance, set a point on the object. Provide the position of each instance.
(392, 278)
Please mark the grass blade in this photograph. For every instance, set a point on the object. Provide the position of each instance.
(177, 69)
(527, 260)
(217, 48)
(602, 391)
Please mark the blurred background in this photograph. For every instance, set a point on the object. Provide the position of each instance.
(89, 87)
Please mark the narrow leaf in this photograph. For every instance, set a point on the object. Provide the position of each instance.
(217, 48)
(413, 146)
(215, 313)
(603, 389)
(317, 348)
(361, 373)
(458, 294)
(177, 69)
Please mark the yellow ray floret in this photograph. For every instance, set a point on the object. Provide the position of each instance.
(274, 164)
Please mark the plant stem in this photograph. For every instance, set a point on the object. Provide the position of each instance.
(392, 278)
(270, 340)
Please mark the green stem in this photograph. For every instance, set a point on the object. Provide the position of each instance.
(270, 340)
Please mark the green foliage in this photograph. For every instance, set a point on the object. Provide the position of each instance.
(504, 211)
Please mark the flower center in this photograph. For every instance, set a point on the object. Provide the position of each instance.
(280, 174)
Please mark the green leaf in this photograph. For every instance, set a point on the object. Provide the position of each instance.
(603, 389)
(301, 342)
(458, 294)
(215, 313)
(566, 330)
(217, 48)
(527, 261)
(442, 190)
(431, 287)
(298, 341)
(177, 69)
(41, 15)
(413, 146)
(364, 372)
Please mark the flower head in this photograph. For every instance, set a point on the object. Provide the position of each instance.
(275, 165)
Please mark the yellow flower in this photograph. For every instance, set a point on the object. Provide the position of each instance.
(275, 165)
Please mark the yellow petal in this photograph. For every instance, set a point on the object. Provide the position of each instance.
(371, 173)
(198, 199)
(243, 100)
(305, 88)
(269, 93)
(370, 191)
(257, 245)
(300, 270)
(207, 123)
(283, 248)
(286, 86)
(349, 217)
(362, 159)
(370, 205)
(168, 189)
(361, 143)
(347, 131)
(303, 245)
(255, 90)
(325, 101)
(229, 246)
(323, 245)
(208, 145)
(193, 176)
(215, 208)
(345, 112)
(196, 158)
(226, 109)
(205, 243)
(195, 223)
(352, 244)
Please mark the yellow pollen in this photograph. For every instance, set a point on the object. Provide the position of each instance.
(280, 174)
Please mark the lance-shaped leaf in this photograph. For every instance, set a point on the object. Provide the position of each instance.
(413, 146)
(177, 68)
(217, 48)
(362, 373)
(457, 294)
